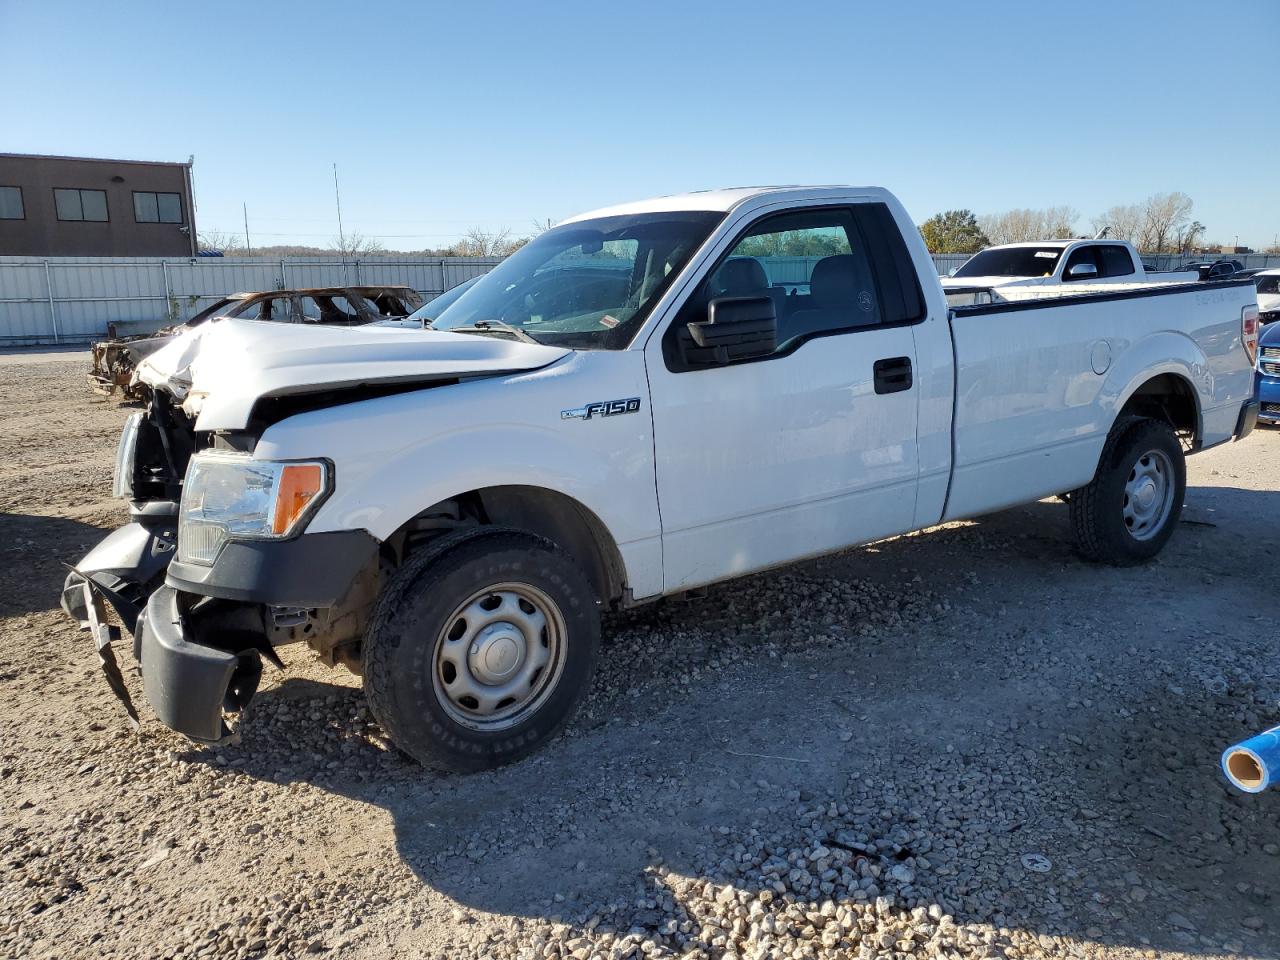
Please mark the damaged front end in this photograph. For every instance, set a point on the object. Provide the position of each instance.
(202, 627)
(130, 563)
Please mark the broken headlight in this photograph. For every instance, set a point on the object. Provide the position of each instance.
(233, 497)
(126, 452)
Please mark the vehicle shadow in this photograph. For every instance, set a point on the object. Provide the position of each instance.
(32, 548)
(994, 732)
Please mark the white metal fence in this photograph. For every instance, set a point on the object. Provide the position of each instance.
(73, 300)
(66, 300)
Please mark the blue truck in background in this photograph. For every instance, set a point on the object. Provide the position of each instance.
(1268, 375)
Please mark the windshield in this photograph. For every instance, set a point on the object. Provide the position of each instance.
(1012, 262)
(433, 308)
(1268, 284)
(586, 285)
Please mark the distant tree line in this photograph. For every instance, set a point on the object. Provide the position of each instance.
(474, 243)
(1160, 224)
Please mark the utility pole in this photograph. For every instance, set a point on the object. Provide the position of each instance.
(248, 248)
(337, 198)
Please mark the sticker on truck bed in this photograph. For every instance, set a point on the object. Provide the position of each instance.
(602, 408)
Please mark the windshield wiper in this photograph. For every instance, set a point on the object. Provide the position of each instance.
(484, 326)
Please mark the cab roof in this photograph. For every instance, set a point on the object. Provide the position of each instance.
(1061, 242)
(725, 199)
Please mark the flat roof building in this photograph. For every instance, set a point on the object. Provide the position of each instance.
(86, 207)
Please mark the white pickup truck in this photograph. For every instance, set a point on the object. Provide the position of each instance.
(1052, 268)
(642, 401)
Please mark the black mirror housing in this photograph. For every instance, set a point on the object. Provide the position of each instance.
(736, 328)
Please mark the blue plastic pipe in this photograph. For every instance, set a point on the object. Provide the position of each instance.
(1254, 764)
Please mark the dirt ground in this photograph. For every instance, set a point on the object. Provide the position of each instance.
(964, 742)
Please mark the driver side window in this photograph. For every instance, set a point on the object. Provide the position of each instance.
(813, 265)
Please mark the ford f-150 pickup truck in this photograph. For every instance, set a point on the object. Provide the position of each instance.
(1053, 268)
(642, 401)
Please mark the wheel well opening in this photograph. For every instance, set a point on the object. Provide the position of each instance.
(546, 513)
(1172, 399)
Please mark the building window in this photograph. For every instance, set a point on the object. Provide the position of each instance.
(11, 204)
(157, 207)
(80, 204)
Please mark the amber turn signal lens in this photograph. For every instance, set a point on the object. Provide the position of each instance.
(300, 483)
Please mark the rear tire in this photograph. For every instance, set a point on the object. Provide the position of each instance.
(1128, 512)
(480, 649)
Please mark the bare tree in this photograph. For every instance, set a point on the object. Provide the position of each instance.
(483, 243)
(1122, 223)
(543, 225)
(219, 241)
(358, 245)
(1018, 226)
(1060, 221)
(1164, 216)
(1187, 236)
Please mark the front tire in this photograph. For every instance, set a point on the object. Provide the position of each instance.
(1127, 513)
(480, 649)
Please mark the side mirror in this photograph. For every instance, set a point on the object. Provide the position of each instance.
(736, 328)
(1082, 271)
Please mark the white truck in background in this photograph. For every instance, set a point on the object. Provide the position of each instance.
(641, 401)
(1051, 268)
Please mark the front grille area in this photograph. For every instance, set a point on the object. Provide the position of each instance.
(1270, 369)
(1271, 408)
(1271, 352)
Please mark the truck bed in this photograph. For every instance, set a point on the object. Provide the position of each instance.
(1040, 381)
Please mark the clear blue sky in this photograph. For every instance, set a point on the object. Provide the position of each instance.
(442, 117)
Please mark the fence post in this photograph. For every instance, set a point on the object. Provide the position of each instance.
(168, 293)
(284, 283)
(53, 314)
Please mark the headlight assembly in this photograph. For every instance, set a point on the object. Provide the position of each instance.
(126, 452)
(232, 497)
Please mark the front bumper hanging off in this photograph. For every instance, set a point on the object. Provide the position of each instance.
(199, 633)
(186, 683)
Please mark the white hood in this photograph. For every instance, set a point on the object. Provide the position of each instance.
(221, 368)
(1268, 302)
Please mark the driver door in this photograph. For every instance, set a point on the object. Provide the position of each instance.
(812, 447)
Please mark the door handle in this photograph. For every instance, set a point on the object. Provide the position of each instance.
(893, 374)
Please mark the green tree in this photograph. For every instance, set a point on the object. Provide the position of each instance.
(955, 231)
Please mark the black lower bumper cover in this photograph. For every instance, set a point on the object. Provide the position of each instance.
(1248, 418)
(185, 682)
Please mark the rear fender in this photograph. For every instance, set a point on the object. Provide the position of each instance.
(1161, 353)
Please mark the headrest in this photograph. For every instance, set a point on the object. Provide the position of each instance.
(739, 277)
(836, 281)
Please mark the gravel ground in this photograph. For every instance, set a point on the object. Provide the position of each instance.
(960, 743)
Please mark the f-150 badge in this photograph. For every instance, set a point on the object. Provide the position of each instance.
(602, 408)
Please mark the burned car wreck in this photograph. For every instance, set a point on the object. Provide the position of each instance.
(116, 359)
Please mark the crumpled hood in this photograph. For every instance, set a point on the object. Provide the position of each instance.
(221, 368)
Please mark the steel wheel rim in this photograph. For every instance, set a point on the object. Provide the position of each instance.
(1148, 495)
(498, 656)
